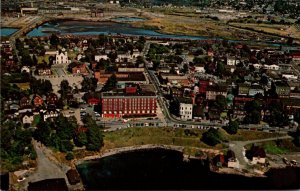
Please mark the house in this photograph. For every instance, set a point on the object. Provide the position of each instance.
(231, 61)
(199, 68)
(213, 90)
(28, 118)
(93, 101)
(232, 162)
(43, 70)
(79, 69)
(282, 89)
(52, 98)
(49, 113)
(25, 102)
(257, 155)
(243, 89)
(61, 57)
(255, 89)
(25, 69)
(38, 101)
(99, 57)
(185, 108)
(73, 176)
(257, 66)
(271, 67)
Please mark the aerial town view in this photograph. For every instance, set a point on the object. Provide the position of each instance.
(150, 95)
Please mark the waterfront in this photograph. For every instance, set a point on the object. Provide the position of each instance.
(7, 31)
(166, 169)
(97, 28)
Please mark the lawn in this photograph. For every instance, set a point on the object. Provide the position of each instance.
(171, 136)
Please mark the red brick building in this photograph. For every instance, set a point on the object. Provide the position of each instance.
(116, 105)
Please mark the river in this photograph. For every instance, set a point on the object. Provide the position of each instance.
(97, 28)
(165, 169)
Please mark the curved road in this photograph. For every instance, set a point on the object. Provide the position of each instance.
(238, 148)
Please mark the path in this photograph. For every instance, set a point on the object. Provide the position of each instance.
(238, 148)
(46, 168)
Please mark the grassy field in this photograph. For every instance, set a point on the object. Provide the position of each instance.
(190, 140)
(171, 136)
(280, 146)
(194, 24)
(275, 29)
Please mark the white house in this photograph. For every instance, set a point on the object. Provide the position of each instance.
(231, 61)
(99, 57)
(135, 53)
(271, 67)
(233, 163)
(186, 109)
(200, 68)
(25, 69)
(123, 56)
(290, 76)
(257, 66)
(28, 118)
(62, 57)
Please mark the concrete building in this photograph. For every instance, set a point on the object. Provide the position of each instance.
(186, 108)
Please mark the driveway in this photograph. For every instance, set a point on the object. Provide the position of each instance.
(238, 148)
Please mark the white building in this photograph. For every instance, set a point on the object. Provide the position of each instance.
(99, 57)
(186, 109)
(61, 58)
(271, 67)
(28, 118)
(232, 61)
(25, 69)
(200, 68)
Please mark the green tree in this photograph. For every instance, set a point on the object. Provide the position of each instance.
(80, 139)
(54, 40)
(221, 102)
(65, 88)
(185, 68)
(232, 127)
(110, 84)
(212, 137)
(89, 84)
(70, 156)
(94, 134)
(42, 133)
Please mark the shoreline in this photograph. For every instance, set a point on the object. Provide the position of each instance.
(110, 20)
(115, 151)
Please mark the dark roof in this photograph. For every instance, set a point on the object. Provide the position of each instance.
(217, 88)
(73, 176)
(134, 76)
(257, 151)
(185, 100)
(49, 184)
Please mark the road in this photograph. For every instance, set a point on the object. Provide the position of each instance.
(238, 148)
(47, 166)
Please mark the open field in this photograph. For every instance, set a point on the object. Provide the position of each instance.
(196, 25)
(276, 29)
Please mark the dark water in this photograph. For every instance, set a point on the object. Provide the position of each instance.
(96, 28)
(165, 169)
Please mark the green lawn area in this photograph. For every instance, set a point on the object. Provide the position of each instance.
(171, 136)
(36, 120)
(272, 148)
(41, 58)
